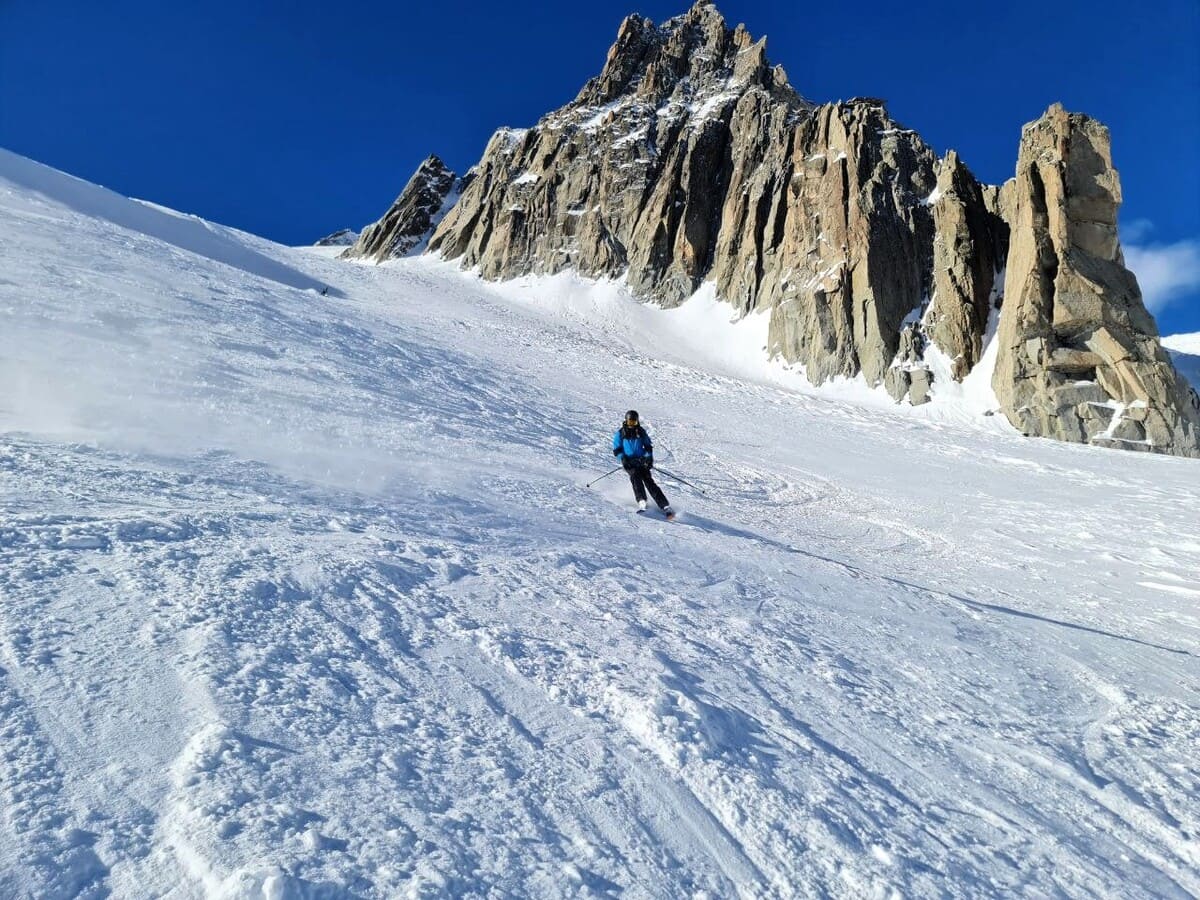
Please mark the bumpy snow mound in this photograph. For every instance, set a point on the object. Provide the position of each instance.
(307, 597)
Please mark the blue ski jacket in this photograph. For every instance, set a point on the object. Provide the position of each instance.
(633, 443)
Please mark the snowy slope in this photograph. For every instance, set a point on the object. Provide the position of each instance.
(1185, 353)
(305, 596)
(1183, 343)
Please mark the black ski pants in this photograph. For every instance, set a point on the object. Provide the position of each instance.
(643, 481)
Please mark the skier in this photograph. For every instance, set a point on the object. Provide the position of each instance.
(631, 445)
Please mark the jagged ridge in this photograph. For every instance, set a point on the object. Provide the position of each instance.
(690, 158)
(406, 226)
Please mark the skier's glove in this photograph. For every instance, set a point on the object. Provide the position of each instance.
(626, 463)
(648, 460)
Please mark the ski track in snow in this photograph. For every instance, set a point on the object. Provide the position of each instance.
(304, 596)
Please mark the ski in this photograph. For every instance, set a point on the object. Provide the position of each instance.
(670, 517)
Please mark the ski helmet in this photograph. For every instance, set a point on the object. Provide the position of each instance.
(631, 416)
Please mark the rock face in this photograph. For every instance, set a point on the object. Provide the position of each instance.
(970, 244)
(344, 237)
(691, 159)
(969, 251)
(409, 221)
(845, 251)
(630, 177)
(908, 375)
(1079, 357)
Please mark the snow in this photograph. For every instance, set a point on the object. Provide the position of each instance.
(637, 135)
(186, 233)
(511, 137)
(1183, 343)
(710, 106)
(1185, 353)
(448, 202)
(305, 596)
(600, 114)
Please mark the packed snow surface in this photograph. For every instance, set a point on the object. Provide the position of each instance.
(306, 596)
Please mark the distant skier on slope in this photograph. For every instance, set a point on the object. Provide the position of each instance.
(632, 446)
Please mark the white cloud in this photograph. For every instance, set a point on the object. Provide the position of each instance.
(1165, 272)
(1136, 231)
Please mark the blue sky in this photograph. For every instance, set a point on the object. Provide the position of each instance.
(292, 119)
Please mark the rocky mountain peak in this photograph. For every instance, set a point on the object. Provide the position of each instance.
(694, 55)
(406, 226)
(343, 237)
(690, 159)
(431, 168)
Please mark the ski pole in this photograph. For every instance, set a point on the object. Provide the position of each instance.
(671, 474)
(605, 475)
